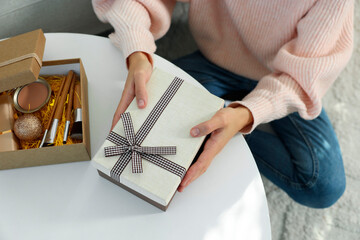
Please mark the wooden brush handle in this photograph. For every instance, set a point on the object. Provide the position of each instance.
(71, 97)
(56, 102)
(60, 107)
(77, 96)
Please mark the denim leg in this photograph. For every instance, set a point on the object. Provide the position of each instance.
(215, 79)
(303, 158)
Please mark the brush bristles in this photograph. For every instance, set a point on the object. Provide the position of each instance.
(76, 132)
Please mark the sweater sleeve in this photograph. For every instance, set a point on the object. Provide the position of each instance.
(137, 23)
(305, 67)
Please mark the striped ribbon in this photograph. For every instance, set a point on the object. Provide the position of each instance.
(129, 147)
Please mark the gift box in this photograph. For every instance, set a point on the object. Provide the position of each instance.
(149, 150)
(20, 64)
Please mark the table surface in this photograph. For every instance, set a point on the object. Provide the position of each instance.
(71, 201)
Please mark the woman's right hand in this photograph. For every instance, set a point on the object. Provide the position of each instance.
(140, 69)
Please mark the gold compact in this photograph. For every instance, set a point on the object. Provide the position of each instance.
(31, 97)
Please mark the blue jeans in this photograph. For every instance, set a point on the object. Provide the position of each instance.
(303, 158)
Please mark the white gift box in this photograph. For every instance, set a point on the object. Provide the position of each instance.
(188, 106)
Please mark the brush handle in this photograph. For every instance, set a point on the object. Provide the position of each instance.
(56, 102)
(77, 96)
(71, 98)
(60, 107)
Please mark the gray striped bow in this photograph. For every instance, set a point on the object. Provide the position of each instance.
(130, 148)
(130, 145)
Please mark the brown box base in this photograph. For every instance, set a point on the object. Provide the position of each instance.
(152, 202)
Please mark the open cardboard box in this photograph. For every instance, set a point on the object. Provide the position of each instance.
(54, 154)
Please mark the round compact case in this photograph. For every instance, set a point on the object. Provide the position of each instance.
(31, 97)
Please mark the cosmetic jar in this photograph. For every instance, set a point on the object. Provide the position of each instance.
(31, 97)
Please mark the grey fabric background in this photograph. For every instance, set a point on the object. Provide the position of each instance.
(19, 16)
(289, 220)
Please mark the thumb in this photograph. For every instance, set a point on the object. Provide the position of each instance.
(207, 127)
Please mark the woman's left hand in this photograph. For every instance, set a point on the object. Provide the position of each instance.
(222, 126)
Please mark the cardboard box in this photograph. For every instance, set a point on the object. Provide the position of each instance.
(26, 71)
(21, 72)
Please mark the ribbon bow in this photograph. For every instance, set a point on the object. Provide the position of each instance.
(131, 145)
(130, 148)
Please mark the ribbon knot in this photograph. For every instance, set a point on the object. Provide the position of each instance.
(132, 146)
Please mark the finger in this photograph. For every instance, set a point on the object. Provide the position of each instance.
(211, 149)
(124, 103)
(115, 120)
(140, 79)
(205, 128)
(126, 98)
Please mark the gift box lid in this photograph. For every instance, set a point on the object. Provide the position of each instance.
(21, 59)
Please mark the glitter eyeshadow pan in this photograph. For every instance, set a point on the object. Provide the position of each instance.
(32, 97)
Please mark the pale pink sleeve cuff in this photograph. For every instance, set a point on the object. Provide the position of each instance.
(130, 39)
(131, 22)
(274, 98)
(259, 109)
(136, 41)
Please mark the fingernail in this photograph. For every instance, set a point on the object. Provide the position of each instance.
(195, 132)
(141, 103)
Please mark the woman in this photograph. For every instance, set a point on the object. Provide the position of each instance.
(278, 58)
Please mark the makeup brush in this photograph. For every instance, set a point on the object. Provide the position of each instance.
(52, 112)
(68, 110)
(51, 135)
(76, 131)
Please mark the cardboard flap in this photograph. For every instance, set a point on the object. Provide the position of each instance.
(24, 71)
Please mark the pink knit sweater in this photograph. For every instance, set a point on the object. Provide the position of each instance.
(295, 49)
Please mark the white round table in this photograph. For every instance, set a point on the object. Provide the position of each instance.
(71, 201)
